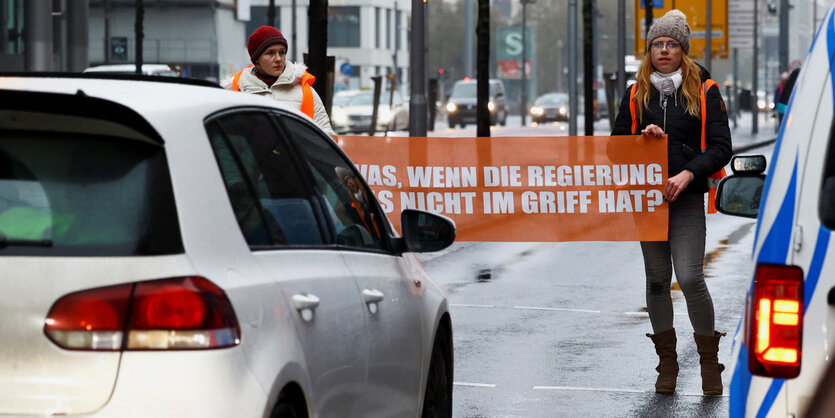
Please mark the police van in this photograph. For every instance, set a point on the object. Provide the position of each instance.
(786, 337)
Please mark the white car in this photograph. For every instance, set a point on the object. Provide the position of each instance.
(147, 69)
(786, 338)
(353, 109)
(173, 250)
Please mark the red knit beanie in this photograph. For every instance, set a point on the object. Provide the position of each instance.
(263, 38)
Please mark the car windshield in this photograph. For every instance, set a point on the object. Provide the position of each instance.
(469, 90)
(361, 99)
(342, 99)
(73, 194)
(552, 99)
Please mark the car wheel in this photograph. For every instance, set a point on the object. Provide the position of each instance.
(504, 119)
(286, 408)
(462, 125)
(437, 401)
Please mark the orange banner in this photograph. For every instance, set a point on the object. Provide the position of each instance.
(534, 189)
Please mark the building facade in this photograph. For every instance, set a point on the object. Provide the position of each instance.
(366, 37)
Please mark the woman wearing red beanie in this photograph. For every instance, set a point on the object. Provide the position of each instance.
(274, 76)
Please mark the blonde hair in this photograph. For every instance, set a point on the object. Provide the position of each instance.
(691, 83)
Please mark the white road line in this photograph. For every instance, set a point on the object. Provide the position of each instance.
(539, 308)
(476, 385)
(704, 396)
(636, 313)
(588, 389)
(466, 305)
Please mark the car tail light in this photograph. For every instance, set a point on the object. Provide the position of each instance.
(181, 313)
(775, 321)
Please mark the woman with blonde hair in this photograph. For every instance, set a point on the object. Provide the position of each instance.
(674, 96)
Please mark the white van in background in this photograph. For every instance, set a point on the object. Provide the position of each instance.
(787, 335)
(147, 69)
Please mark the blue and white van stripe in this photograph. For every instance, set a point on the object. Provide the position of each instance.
(775, 247)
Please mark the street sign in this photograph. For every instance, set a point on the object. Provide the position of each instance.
(346, 68)
(119, 48)
(741, 24)
(695, 11)
(509, 51)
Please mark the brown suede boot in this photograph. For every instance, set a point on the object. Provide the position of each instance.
(708, 347)
(665, 347)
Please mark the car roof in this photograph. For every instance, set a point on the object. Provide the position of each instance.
(151, 99)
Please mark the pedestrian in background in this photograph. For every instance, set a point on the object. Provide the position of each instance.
(786, 93)
(272, 75)
(673, 95)
(778, 92)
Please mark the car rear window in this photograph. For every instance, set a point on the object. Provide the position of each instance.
(84, 195)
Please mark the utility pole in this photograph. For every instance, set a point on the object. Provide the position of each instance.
(709, 35)
(784, 35)
(317, 46)
(106, 9)
(468, 39)
(271, 13)
(754, 109)
(293, 29)
(417, 101)
(621, 48)
(647, 18)
(140, 35)
(588, 65)
(524, 66)
(573, 104)
(77, 35)
(483, 70)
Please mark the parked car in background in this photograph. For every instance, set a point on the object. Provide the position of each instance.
(181, 250)
(785, 342)
(550, 107)
(352, 111)
(461, 105)
(147, 69)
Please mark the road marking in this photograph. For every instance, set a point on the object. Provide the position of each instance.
(647, 313)
(475, 385)
(538, 308)
(466, 305)
(588, 389)
(705, 396)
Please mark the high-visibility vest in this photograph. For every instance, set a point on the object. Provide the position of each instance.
(713, 180)
(307, 91)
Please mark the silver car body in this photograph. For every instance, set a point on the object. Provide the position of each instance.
(349, 359)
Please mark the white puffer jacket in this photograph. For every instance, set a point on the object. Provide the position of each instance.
(287, 90)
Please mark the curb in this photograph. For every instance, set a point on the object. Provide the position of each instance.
(748, 147)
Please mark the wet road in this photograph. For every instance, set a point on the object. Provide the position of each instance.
(558, 329)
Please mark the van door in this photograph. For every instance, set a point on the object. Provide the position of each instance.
(815, 220)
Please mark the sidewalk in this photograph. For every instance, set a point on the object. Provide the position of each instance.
(742, 137)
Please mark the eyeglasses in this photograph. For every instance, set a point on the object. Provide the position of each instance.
(671, 45)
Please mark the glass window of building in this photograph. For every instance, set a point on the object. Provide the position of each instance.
(388, 29)
(397, 17)
(344, 26)
(377, 27)
(258, 17)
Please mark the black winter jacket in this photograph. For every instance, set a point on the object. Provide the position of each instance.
(684, 134)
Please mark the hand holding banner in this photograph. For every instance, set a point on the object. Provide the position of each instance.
(535, 189)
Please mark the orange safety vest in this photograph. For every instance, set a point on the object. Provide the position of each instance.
(713, 180)
(307, 91)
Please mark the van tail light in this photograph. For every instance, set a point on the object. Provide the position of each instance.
(775, 321)
(181, 313)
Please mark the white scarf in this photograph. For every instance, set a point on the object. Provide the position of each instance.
(666, 84)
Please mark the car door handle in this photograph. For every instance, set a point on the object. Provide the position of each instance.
(372, 295)
(305, 301)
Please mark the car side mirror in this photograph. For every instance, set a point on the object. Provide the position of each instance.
(748, 164)
(740, 195)
(426, 232)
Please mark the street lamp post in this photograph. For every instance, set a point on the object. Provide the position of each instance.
(524, 104)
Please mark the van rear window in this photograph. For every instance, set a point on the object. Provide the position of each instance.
(84, 195)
